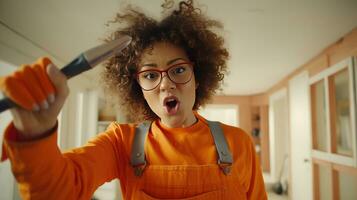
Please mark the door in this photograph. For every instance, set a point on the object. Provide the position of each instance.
(278, 138)
(300, 138)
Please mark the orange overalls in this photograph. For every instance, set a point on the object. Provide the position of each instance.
(194, 182)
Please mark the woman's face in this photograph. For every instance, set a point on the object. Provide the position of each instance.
(171, 101)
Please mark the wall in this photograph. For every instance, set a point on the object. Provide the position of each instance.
(341, 49)
(336, 52)
(245, 103)
(244, 108)
(7, 181)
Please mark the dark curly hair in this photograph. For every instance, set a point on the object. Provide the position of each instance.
(185, 27)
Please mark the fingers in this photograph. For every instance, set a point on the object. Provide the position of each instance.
(59, 81)
(16, 91)
(28, 77)
(36, 86)
(40, 69)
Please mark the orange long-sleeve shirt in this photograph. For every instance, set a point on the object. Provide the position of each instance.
(43, 172)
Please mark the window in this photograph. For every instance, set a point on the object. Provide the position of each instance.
(318, 102)
(341, 124)
(322, 181)
(332, 97)
(334, 181)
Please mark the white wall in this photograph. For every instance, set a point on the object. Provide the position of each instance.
(278, 136)
(7, 181)
(224, 113)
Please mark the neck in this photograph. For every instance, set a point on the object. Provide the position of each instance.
(188, 121)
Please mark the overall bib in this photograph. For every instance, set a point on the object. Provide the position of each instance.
(187, 182)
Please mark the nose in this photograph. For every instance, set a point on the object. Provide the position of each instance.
(166, 83)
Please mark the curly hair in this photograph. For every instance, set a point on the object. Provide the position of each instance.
(185, 27)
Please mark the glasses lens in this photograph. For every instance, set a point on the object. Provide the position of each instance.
(180, 73)
(148, 80)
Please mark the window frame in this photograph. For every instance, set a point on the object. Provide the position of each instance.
(325, 75)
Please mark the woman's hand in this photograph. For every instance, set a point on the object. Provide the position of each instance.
(40, 90)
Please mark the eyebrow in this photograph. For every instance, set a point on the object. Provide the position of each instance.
(168, 63)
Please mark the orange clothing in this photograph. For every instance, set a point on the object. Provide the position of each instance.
(182, 164)
(29, 85)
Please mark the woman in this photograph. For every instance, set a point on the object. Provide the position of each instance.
(169, 70)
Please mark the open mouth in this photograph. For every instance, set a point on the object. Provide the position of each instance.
(171, 105)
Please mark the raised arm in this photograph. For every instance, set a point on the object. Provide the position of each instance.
(30, 140)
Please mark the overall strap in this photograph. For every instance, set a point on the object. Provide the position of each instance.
(137, 159)
(225, 159)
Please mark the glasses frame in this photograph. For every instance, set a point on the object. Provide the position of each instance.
(167, 74)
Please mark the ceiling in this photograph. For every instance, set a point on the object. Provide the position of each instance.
(267, 39)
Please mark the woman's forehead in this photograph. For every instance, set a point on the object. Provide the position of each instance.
(161, 53)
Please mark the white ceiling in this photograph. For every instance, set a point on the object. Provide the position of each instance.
(267, 39)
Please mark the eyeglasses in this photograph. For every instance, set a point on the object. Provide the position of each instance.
(180, 73)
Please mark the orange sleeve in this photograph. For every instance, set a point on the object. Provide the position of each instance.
(256, 188)
(43, 172)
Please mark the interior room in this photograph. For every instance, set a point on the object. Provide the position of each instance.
(291, 84)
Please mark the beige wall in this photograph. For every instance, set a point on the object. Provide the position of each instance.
(336, 52)
(245, 103)
(341, 49)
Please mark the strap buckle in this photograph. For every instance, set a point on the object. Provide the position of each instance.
(139, 169)
(225, 167)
